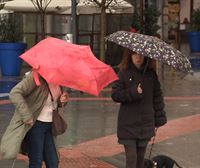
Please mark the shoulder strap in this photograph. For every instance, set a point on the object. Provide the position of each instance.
(61, 89)
(50, 92)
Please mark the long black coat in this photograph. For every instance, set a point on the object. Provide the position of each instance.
(139, 114)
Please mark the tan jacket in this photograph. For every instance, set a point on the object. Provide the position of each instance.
(29, 100)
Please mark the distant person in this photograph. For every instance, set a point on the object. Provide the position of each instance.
(141, 106)
(32, 122)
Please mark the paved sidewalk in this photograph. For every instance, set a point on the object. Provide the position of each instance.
(90, 141)
(87, 154)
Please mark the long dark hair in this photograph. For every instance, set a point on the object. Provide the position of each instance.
(126, 59)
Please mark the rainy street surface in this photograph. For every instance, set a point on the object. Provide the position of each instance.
(90, 141)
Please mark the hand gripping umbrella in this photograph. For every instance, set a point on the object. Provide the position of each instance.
(152, 47)
(69, 65)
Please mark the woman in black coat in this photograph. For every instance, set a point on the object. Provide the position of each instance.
(141, 106)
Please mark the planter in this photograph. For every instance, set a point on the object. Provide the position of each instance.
(194, 41)
(6, 86)
(195, 62)
(10, 62)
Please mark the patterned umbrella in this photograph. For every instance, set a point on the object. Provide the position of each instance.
(152, 47)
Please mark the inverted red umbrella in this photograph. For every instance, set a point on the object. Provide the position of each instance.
(70, 65)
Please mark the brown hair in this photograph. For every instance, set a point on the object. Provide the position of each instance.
(127, 58)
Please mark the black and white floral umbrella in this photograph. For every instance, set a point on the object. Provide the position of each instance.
(152, 47)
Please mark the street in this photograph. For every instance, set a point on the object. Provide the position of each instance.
(90, 141)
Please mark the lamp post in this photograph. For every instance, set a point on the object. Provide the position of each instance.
(74, 20)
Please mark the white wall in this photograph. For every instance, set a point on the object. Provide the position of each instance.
(184, 10)
(196, 4)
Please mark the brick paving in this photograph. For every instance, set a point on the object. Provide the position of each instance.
(88, 154)
(85, 155)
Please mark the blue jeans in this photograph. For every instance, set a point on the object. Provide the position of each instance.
(40, 146)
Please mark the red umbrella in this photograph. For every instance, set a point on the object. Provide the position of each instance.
(70, 65)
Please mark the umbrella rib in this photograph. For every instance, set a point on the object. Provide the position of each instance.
(152, 47)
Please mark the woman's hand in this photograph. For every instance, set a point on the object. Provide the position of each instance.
(64, 97)
(139, 89)
(30, 122)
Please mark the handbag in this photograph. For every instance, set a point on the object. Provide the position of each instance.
(59, 125)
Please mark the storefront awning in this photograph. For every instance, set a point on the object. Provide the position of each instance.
(64, 7)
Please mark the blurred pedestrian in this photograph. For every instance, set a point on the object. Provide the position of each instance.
(32, 122)
(141, 106)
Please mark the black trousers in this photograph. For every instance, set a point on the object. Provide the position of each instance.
(135, 156)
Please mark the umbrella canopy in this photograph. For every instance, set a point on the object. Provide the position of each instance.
(70, 65)
(152, 47)
(64, 7)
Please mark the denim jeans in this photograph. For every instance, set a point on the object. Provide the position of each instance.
(40, 146)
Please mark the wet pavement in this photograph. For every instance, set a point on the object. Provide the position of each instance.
(90, 141)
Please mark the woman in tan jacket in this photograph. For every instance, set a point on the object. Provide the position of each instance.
(32, 122)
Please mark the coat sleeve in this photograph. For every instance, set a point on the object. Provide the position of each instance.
(158, 104)
(18, 96)
(122, 94)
